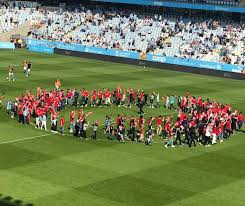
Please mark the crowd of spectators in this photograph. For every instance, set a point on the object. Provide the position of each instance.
(176, 35)
(11, 18)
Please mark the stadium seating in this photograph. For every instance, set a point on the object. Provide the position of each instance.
(11, 18)
(216, 40)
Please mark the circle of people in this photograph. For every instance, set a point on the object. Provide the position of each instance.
(198, 121)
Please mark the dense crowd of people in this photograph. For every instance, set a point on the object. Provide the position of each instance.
(166, 33)
(204, 121)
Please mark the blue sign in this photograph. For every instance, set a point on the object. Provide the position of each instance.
(97, 50)
(43, 49)
(180, 5)
(48, 47)
(6, 45)
(194, 63)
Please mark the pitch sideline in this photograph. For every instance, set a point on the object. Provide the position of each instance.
(26, 138)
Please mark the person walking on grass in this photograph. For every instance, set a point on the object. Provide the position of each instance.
(95, 128)
(172, 101)
(72, 121)
(160, 120)
(62, 125)
(192, 133)
(178, 132)
(240, 121)
(152, 100)
(169, 132)
(44, 122)
(85, 127)
(157, 99)
(57, 84)
(11, 74)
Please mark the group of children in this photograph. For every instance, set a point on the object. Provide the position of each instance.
(205, 122)
(117, 97)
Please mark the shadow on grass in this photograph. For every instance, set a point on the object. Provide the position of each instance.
(10, 201)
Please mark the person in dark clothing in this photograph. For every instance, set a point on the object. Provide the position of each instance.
(132, 130)
(95, 128)
(141, 105)
(77, 129)
(233, 123)
(192, 135)
(76, 96)
(178, 132)
(145, 99)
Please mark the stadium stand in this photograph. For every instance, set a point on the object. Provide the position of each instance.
(171, 34)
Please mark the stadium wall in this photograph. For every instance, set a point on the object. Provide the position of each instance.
(146, 63)
(133, 57)
(183, 5)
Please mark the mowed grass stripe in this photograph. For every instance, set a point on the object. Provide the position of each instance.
(27, 188)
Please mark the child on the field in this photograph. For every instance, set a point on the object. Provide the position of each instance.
(72, 121)
(108, 123)
(95, 128)
(121, 133)
(29, 66)
(151, 100)
(85, 127)
(149, 136)
(25, 64)
(169, 133)
(54, 122)
(57, 84)
(9, 107)
(44, 122)
(62, 125)
(11, 74)
(160, 120)
(113, 135)
(157, 99)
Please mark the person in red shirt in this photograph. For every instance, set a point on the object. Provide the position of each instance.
(86, 95)
(228, 128)
(141, 122)
(93, 98)
(159, 124)
(20, 113)
(169, 133)
(240, 120)
(107, 97)
(100, 96)
(118, 121)
(177, 127)
(72, 121)
(62, 125)
(150, 122)
(118, 97)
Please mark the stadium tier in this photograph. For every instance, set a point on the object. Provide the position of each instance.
(168, 33)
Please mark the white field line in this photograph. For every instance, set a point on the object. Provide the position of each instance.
(6, 66)
(23, 139)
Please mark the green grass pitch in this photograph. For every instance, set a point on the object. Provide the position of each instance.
(51, 170)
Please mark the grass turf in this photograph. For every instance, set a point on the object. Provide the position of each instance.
(47, 169)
